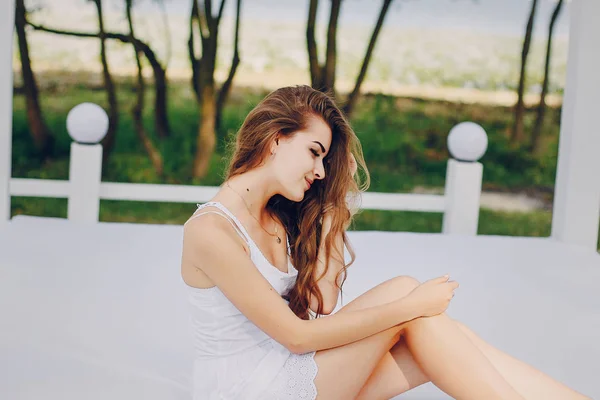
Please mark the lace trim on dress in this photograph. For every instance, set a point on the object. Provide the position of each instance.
(300, 370)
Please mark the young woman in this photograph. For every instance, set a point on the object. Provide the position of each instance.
(264, 264)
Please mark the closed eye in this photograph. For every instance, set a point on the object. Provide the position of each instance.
(314, 152)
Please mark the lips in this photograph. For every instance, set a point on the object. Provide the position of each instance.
(309, 183)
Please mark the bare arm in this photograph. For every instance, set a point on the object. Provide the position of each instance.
(240, 281)
(347, 327)
(327, 285)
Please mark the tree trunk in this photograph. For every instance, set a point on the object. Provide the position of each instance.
(518, 129)
(226, 88)
(541, 109)
(138, 108)
(353, 96)
(206, 140)
(331, 53)
(42, 138)
(161, 118)
(208, 27)
(113, 108)
(161, 110)
(322, 76)
(194, 62)
(313, 57)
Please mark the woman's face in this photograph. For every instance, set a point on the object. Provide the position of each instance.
(298, 160)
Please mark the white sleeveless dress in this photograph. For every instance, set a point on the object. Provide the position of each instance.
(234, 359)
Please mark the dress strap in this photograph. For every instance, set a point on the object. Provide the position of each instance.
(240, 225)
(239, 228)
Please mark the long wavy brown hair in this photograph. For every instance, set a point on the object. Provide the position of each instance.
(285, 111)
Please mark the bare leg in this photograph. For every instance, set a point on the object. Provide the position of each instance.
(453, 362)
(530, 382)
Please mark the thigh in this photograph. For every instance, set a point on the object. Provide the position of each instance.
(344, 370)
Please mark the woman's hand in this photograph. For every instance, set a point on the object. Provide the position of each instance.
(432, 297)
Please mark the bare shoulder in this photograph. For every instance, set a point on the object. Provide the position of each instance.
(213, 247)
(199, 231)
(210, 222)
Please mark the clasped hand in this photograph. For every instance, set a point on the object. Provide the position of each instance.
(433, 296)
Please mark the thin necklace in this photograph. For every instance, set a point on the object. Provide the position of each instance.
(250, 212)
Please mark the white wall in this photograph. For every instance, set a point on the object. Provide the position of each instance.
(7, 22)
(577, 191)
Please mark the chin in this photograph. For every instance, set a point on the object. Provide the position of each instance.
(294, 193)
(296, 196)
(300, 197)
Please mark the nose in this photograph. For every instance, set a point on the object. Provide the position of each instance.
(319, 170)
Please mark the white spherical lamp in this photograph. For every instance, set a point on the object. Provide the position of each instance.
(467, 141)
(87, 123)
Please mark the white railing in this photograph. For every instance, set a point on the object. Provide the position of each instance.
(87, 124)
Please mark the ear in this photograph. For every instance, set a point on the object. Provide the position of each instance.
(275, 143)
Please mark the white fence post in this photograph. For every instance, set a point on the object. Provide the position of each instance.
(87, 124)
(7, 25)
(467, 143)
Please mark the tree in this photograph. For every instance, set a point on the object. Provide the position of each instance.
(353, 96)
(160, 72)
(160, 80)
(323, 75)
(153, 153)
(226, 88)
(108, 142)
(541, 109)
(42, 137)
(210, 100)
(518, 129)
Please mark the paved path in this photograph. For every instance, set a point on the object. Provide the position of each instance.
(514, 202)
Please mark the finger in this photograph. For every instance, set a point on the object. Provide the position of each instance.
(451, 286)
(440, 279)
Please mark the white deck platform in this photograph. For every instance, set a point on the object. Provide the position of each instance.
(98, 312)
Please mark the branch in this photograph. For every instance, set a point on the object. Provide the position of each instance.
(224, 92)
(61, 32)
(194, 15)
(208, 8)
(363, 70)
(553, 20)
(163, 11)
(205, 18)
(541, 108)
(221, 11)
(139, 45)
(330, 60)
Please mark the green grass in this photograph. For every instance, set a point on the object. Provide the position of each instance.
(404, 142)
